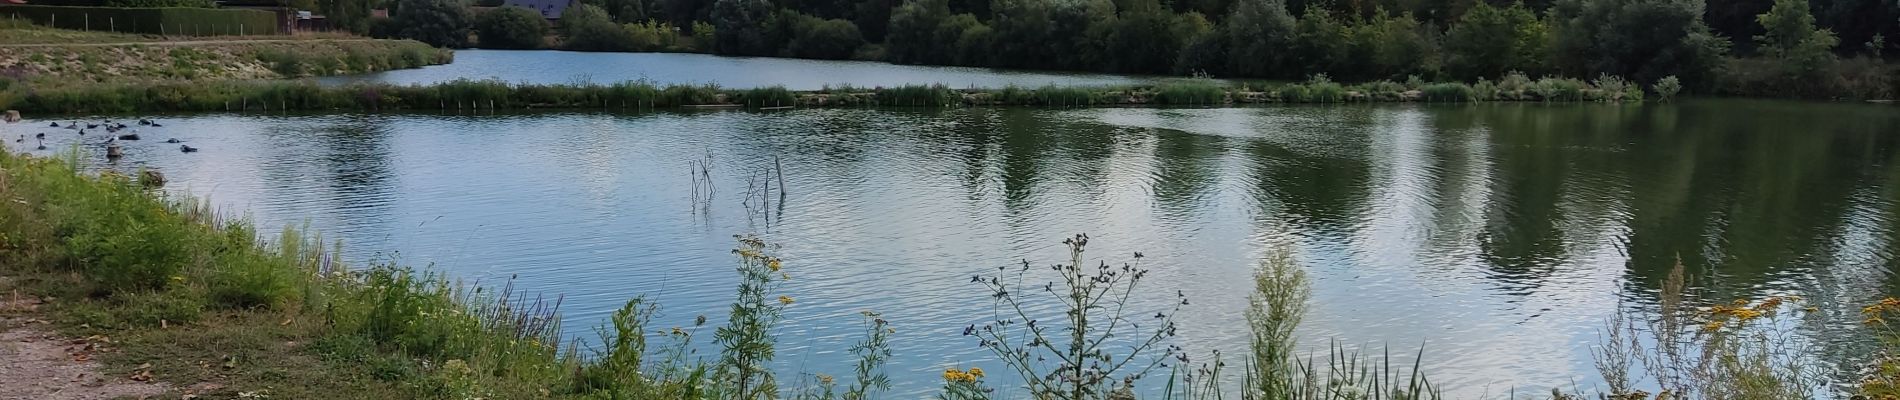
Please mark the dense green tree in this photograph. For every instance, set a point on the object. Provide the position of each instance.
(1259, 32)
(589, 28)
(947, 37)
(1489, 41)
(440, 23)
(740, 27)
(511, 28)
(1643, 40)
(1789, 35)
(872, 18)
(1390, 47)
(1205, 54)
(1322, 43)
(912, 34)
(1020, 32)
(974, 46)
(349, 15)
(831, 39)
(624, 11)
(685, 13)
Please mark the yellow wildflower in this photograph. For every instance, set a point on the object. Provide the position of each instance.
(773, 264)
(1745, 314)
(978, 372)
(1769, 305)
(785, 300)
(825, 379)
(1874, 321)
(954, 375)
(1713, 326)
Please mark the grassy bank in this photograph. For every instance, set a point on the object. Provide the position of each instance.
(485, 95)
(38, 59)
(190, 297)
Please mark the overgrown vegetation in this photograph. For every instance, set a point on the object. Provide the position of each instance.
(152, 59)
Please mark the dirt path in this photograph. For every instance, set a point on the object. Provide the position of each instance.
(181, 42)
(35, 363)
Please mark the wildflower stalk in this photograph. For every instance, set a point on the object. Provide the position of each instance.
(746, 340)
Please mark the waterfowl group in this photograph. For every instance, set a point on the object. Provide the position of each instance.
(116, 131)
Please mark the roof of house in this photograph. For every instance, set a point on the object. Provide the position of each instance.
(550, 9)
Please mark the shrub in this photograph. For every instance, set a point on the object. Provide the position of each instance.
(1485, 90)
(1612, 87)
(1667, 87)
(1449, 93)
(511, 28)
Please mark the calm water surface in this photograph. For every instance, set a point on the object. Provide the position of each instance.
(1499, 236)
(562, 67)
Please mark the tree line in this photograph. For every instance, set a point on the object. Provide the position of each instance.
(1810, 48)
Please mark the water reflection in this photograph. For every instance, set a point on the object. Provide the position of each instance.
(1499, 236)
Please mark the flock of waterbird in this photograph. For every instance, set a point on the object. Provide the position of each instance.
(115, 132)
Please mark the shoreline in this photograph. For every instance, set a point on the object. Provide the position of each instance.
(308, 95)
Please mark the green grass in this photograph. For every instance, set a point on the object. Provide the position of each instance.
(1190, 93)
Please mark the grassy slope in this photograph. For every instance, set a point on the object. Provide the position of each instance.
(53, 58)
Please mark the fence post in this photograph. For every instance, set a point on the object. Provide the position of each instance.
(112, 23)
(88, 20)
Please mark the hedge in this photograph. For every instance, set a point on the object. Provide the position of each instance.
(165, 20)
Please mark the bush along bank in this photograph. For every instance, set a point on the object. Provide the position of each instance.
(485, 95)
(188, 297)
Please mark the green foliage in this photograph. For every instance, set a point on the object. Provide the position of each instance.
(912, 36)
(625, 11)
(917, 96)
(746, 341)
(740, 27)
(350, 15)
(1259, 32)
(440, 23)
(1791, 36)
(511, 28)
(1667, 87)
(1449, 93)
(1488, 41)
(827, 39)
(164, 20)
(1190, 93)
(589, 28)
(1641, 39)
(1318, 89)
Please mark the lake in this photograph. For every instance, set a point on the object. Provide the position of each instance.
(564, 67)
(1498, 236)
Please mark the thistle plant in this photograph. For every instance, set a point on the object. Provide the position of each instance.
(1072, 358)
(746, 340)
